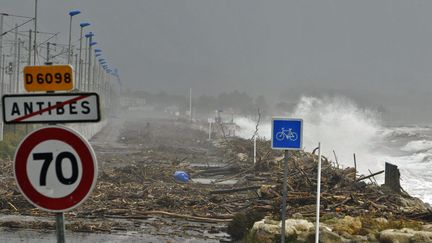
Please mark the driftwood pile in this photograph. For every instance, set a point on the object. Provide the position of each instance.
(140, 185)
(343, 192)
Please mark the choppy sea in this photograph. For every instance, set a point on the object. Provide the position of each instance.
(342, 126)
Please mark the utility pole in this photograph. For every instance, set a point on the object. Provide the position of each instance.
(29, 48)
(1, 46)
(10, 71)
(76, 68)
(35, 30)
(15, 60)
(95, 75)
(29, 63)
(70, 39)
(82, 82)
(18, 66)
(79, 67)
(89, 63)
(48, 52)
(94, 72)
(100, 80)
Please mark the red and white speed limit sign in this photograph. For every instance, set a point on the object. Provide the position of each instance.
(55, 168)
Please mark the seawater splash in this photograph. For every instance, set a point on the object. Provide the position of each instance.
(337, 123)
(343, 126)
(248, 127)
(414, 158)
(340, 125)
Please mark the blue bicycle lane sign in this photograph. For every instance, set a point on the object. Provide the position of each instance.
(287, 133)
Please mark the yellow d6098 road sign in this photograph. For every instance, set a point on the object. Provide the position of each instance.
(48, 78)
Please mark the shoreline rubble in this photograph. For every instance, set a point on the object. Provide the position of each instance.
(139, 185)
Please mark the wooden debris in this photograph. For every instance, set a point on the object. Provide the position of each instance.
(392, 177)
(369, 176)
(138, 185)
(235, 190)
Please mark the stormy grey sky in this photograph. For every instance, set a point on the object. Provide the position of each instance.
(376, 52)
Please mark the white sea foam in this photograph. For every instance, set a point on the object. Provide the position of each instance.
(248, 127)
(337, 123)
(341, 125)
(418, 145)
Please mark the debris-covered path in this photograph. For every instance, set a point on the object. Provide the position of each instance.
(135, 192)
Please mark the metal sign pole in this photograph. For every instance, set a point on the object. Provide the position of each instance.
(60, 227)
(318, 196)
(284, 196)
(286, 135)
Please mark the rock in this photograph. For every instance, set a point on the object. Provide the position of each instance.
(421, 236)
(295, 227)
(405, 236)
(348, 224)
(356, 238)
(362, 239)
(394, 236)
(266, 230)
(328, 236)
(427, 227)
(325, 237)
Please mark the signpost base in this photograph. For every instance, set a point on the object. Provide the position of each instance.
(284, 196)
(60, 227)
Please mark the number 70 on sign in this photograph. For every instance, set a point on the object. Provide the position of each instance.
(55, 168)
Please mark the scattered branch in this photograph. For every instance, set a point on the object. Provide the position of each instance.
(257, 125)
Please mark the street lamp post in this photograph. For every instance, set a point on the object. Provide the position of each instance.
(82, 25)
(94, 81)
(91, 43)
(1, 46)
(99, 78)
(76, 66)
(84, 66)
(88, 40)
(71, 14)
(94, 77)
(18, 65)
(15, 58)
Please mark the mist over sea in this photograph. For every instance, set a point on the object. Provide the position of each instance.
(343, 126)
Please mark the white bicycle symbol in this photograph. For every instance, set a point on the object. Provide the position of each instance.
(286, 133)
